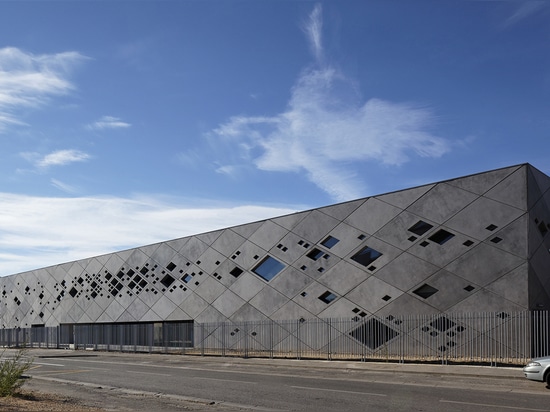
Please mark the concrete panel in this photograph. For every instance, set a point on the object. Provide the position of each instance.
(404, 198)
(513, 286)
(388, 252)
(405, 305)
(163, 307)
(348, 237)
(289, 248)
(290, 311)
(343, 277)
(210, 314)
(451, 289)
(228, 303)
(136, 260)
(210, 260)
(94, 266)
(248, 229)
(248, 285)
(485, 301)
(247, 313)
(511, 191)
(289, 221)
(228, 242)
(396, 232)
(194, 305)
(372, 215)
(177, 244)
(163, 254)
(406, 271)
(268, 301)
(268, 234)
(373, 294)
(210, 289)
(178, 314)
(441, 255)
(514, 237)
(248, 255)
(484, 264)
(481, 182)
(340, 308)
(193, 249)
(342, 210)
(310, 300)
(290, 282)
(442, 202)
(210, 237)
(126, 317)
(474, 220)
(315, 226)
(138, 309)
(151, 316)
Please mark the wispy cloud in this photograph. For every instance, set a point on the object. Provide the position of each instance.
(28, 80)
(57, 158)
(108, 122)
(34, 232)
(325, 135)
(526, 9)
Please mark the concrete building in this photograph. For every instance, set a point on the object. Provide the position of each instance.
(475, 243)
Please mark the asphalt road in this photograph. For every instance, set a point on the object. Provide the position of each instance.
(261, 384)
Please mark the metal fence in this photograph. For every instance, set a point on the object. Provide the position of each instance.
(492, 338)
(489, 338)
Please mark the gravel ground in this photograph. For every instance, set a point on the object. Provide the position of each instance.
(43, 395)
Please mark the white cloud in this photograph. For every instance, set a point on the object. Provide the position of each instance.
(28, 80)
(108, 122)
(62, 158)
(39, 231)
(325, 134)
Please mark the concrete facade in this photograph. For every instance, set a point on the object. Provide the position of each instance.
(471, 244)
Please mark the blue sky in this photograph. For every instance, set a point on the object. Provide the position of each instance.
(124, 123)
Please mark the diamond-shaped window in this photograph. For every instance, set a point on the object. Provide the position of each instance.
(373, 333)
(420, 227)
(366, 256)
(268, 268)
(329, 242)
(425, 291)
(441, 236)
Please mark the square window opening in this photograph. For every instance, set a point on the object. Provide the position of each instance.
(268, 268)
(327, 297)
(425, 291)
(441, 236)
(315, 254)
(329, 242)
(366, 256)
(420, 227)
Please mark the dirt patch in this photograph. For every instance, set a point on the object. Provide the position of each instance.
(42, 395)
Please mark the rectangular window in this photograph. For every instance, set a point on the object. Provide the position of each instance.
(420, 227)
(315, 254)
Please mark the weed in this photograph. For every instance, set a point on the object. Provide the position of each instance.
(12, 370)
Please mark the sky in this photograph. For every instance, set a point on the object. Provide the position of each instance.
(126, 123)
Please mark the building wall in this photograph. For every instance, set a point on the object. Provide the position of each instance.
(463, 245)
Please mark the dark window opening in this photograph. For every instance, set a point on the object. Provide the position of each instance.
(469, 288)
(73, 292)
(171, 266)
(412, 238)
(315, 254)
(420, 227)
(186, 278)
(496, 239)
(327, 297)
(425, 291)
(386, 298)
(441, 236)
(167, 280)
(468, 243)
(491, 227)
(329, 242)
(373, 333)
(236, 272)
(268, 268)
(442, 324)
(366, 256)
(424, 244)
(542, 228)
